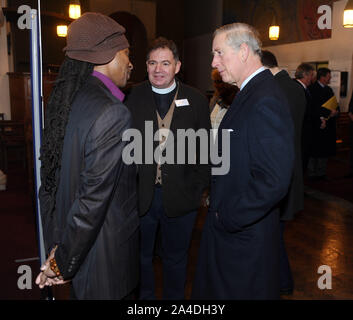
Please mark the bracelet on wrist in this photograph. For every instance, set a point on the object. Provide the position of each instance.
(54, 267)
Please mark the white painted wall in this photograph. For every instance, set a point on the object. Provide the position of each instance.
(338, 50)
(4, 69)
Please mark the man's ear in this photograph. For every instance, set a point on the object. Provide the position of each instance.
(244, 52)
(177, 68)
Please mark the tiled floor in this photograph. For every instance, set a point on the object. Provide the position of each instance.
(321, 235)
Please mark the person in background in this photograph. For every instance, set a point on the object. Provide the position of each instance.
(88, 194)
(223, 97)
(305, 75)
(324, 139)
(294, 200)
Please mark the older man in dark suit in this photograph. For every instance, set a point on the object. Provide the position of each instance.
(239, 253)
(88, 194)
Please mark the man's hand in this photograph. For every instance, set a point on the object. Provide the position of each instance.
(47, 277)
(323, 123)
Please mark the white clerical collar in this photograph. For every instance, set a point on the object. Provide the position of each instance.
(251, 76)
(164, 90)
(322, 85)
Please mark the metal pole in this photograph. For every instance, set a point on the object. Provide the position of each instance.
(37, 120)
(40, 60)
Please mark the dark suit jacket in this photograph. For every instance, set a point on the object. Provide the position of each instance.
(183, 184)
(310, 120)
(96, 219)
(294, 200)
(324, 144)
(239, 251)
(311, 123)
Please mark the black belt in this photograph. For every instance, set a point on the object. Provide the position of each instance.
(158, 185)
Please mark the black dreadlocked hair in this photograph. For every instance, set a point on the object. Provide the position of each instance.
(72, 75)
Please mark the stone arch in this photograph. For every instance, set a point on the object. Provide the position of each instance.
(137, 37)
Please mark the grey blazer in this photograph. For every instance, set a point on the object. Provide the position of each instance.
(95, 222)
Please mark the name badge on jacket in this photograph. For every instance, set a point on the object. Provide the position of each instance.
(182, 103)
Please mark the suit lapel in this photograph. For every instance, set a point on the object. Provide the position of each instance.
(241, 97)
(235, 107)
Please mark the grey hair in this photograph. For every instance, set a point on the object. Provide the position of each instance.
(239, 33)
(303, 69)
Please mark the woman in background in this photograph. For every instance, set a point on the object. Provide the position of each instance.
(221, 100)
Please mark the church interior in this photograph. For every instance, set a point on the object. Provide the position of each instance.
(318, 240)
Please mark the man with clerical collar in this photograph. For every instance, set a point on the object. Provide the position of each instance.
(169, 193)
